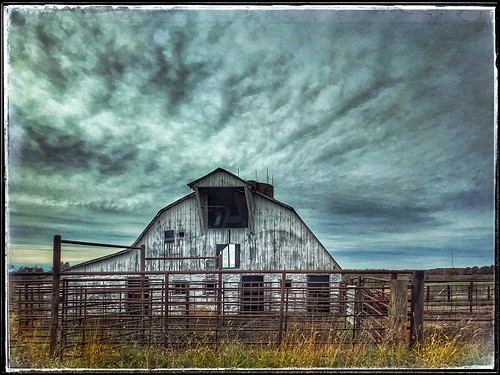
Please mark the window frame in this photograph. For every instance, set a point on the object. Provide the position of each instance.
(231, 263)
(179, 287)
(221, 206)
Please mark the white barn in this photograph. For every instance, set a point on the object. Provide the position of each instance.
(228, 215)
(226, 223)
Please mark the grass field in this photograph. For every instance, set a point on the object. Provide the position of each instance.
(440, 349)
(452, 338)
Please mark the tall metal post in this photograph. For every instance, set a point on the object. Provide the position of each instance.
(282, 306)
(167, 309)
(56, 271)
(220, 307)
(143, 258)
(142, 287)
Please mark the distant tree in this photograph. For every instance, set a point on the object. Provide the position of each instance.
(29, 269)
(486, 270)
(433, 271)
(475, 270)
(64, 265)
(447, 271)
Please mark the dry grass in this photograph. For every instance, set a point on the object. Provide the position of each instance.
(443, 347)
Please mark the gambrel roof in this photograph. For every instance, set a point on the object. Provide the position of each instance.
(219, 177)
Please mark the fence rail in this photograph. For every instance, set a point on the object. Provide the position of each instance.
(173, 308)
(250, 306)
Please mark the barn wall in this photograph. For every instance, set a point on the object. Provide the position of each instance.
(283, 241)
(182, 217)
(279, 239)
(127, 261)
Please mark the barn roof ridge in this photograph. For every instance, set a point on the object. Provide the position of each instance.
(218, 169)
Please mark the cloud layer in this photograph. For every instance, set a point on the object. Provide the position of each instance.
(377, 126)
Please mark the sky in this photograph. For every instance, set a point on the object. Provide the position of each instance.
(376, 124)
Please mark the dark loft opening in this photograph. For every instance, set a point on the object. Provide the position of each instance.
(225, 207)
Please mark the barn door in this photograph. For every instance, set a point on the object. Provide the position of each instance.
(318, 293)
(252, 293)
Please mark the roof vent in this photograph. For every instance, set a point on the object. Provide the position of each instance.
(262, 187)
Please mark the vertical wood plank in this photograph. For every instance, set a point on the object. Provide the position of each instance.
(417, 308)
(398, 307)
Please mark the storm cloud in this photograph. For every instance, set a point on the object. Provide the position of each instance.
(376, 124)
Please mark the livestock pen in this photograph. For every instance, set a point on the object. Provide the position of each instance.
(70, 310)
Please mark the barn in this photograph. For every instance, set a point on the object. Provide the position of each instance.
(228, 216)
(225, 224)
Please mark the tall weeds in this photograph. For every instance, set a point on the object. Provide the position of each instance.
(441, 348)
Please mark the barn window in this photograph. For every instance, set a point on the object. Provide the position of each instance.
(288, 283)
(169, 236)
(230, 255)
(318, 293)
(137, 297)
(210, 287)
(224, 207)
(171, 248)
(179, 287)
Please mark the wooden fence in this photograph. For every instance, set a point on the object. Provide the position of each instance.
(71, 310)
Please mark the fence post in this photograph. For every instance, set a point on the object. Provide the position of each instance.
(417, 308)
(282, 306)
(143, 258)
(470, 295)
(358, 307)
(142, 285)
(56, 269)
(398, 307)
(220, 291)
(167, 309)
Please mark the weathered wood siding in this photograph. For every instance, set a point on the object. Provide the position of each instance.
(279, 240)
(283, 241)
(126, 261)
(219, 179)
(182, 217)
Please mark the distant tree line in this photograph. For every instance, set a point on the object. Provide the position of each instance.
(484, 270)
(33, 269)
(29, 269)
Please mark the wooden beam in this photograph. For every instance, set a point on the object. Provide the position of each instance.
(249, 199)
(398, 307)
(203, 224)
(417, 308)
